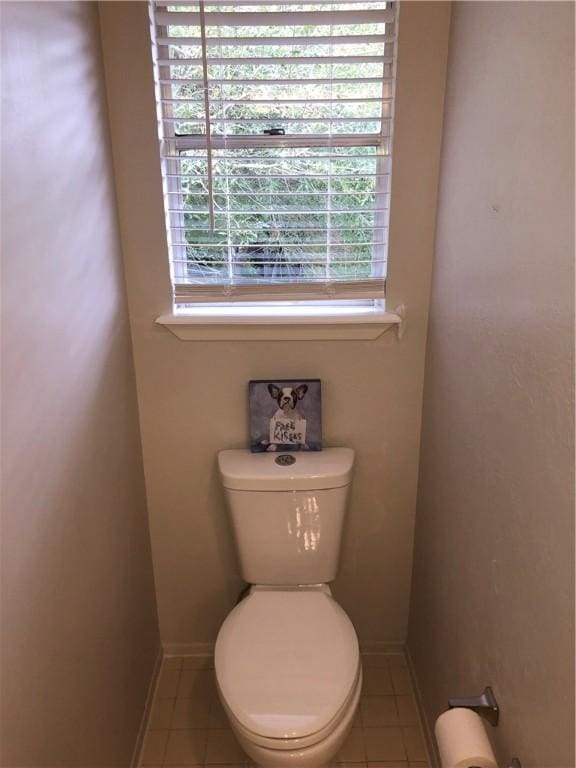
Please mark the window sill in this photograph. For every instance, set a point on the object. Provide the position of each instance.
(234, 324)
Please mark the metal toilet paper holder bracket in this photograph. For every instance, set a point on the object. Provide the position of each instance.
(485, 705)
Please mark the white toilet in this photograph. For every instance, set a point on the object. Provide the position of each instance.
(287, 658)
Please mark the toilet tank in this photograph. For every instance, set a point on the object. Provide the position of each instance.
(287, 512)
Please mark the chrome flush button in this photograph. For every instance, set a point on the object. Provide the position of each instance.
(285, 460)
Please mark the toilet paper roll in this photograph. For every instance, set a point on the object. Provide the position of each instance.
(462, 740)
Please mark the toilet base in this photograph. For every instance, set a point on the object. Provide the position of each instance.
(315, 756)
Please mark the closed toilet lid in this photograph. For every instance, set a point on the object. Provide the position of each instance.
(286, 661)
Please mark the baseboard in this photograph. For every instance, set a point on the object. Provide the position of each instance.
(188, 649)
(136, 755)
(207, 649)
(426, 727)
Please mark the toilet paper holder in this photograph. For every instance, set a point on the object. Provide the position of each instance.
(485, 705)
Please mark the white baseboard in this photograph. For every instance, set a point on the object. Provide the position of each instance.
(207, 649)
(137, 754)
(188, 649)
(426, 728)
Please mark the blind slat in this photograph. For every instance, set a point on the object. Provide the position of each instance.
(186, 143)
(351, 289)
(258, 3)
(277, 81)
(268, 194)
(275, 102)
(270, 176)
(293, 40)
(276, 120)
(274, 18)
(301, 61)
(286, 229)
(295, 262)
(285, 212)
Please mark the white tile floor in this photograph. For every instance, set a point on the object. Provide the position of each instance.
(188, 727)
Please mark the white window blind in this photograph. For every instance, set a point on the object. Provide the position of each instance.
(275, 130)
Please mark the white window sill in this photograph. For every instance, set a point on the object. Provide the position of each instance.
(281, 324)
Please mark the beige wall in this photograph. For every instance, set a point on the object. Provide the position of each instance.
(192, 395)
(79, 627)
(493, 592)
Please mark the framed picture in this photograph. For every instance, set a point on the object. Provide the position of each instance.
(285, 415)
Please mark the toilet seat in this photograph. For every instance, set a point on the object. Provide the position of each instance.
(287, 665)
(292, 745)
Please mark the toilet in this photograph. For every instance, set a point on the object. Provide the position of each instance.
(287, 659)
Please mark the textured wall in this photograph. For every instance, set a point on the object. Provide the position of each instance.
(193, 395)
(493, 592)
(79, 627)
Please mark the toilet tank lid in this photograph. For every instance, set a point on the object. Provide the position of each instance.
(242, 470)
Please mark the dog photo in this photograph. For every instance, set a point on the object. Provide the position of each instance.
(285, 415)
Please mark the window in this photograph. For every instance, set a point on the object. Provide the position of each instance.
(275, 132)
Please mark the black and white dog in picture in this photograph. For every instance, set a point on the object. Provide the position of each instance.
(287, 399)
(285, 415)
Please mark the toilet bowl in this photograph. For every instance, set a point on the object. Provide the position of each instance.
(289, 676)
(287, 658)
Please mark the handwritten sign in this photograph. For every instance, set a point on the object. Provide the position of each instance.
(288, 431)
